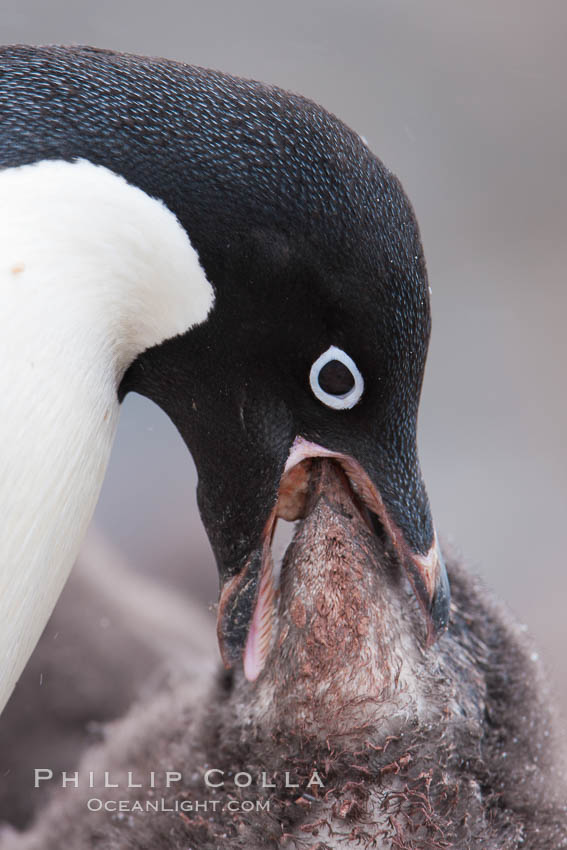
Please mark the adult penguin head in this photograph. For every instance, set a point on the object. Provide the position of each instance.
(315, 346)
(317, 338)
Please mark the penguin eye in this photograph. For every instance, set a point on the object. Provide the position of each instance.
(335, 380)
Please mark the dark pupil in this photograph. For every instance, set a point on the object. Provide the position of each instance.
(335, 378)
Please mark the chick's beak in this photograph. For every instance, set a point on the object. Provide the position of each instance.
(246, 603)
(425, 569)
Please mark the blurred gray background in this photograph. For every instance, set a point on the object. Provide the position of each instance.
(467, 104)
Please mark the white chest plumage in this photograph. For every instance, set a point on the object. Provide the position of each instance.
(92, 272)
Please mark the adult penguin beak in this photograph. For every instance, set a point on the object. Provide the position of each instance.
(246, 606)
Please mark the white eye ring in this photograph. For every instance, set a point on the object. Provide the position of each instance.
(337, 402)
